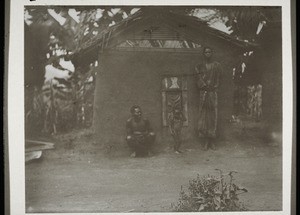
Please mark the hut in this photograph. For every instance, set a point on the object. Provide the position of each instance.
(149, 58)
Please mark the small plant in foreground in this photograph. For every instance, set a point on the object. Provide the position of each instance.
(211, 193)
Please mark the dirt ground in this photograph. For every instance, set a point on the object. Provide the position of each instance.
(80, 176)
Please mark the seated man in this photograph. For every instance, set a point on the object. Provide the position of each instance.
(140, 136)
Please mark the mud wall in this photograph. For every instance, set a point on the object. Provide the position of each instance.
(125, 78)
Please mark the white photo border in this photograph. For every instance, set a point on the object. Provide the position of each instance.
(15, 99)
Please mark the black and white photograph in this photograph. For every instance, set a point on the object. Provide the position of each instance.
(144, 108)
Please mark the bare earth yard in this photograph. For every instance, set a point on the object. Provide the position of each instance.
(82, 177)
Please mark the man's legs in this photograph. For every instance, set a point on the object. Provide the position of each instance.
(206, 141)
(177, 141)
(141, 146)
(133, 145)
(149, 141)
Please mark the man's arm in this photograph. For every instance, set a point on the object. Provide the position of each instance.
(200, 82)
(219, 73)
(129, 128)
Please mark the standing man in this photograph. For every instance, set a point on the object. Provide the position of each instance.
(209, 72)
(140, 136)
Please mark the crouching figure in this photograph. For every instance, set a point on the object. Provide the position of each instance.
(140, 136)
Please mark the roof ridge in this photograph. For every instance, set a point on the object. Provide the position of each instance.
(172, 17)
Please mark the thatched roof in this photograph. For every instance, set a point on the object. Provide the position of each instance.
(188, 26)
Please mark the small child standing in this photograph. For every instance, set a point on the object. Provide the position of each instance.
(176, 119)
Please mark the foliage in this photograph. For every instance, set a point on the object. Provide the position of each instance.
(211, 193)
(67, 103)
(243, 22)
(57, 109)
(72, 33)
(47, 40)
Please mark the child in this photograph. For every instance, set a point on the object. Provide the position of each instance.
(176, 119)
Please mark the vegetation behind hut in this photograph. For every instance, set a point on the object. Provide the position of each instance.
(61, 104)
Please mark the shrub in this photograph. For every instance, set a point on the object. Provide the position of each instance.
(210, 193)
